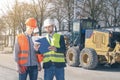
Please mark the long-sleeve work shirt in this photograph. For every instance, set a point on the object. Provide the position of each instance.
(32, 59)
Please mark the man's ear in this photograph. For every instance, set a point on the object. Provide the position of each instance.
(55, 28)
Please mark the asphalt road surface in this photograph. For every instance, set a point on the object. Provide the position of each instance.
(8, 71)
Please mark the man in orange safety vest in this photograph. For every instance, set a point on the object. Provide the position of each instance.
(24, 51)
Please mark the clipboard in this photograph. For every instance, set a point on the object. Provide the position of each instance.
(44, 44)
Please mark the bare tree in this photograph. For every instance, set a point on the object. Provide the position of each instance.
(113, 12)
(92, 8)
(40, 9)
(15, 17)
(69, 6)
(59, 12)
(2, 26)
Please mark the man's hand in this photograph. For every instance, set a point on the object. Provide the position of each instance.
(36, 46)
(22, 69)
(39, 67)
(52, 48)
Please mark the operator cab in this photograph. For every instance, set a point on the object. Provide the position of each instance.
(78, 31)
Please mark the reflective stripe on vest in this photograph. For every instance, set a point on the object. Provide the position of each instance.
(24, 49)
(52, 55)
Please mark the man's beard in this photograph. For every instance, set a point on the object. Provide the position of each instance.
(50, 32)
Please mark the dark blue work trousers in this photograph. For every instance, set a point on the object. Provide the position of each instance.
(52, 71)
(32, 71)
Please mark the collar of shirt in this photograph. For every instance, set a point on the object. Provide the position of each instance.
(27, 34)
(50, 35)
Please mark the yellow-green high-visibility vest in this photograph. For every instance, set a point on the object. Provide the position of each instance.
(52, 55)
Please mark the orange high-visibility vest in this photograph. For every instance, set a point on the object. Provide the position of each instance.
(24, 49)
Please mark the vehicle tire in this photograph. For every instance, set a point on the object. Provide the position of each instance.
(88, 58)
(72, 56)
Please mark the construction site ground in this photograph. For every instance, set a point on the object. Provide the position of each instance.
(8, 71)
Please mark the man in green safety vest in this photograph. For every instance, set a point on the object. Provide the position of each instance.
(54, 60)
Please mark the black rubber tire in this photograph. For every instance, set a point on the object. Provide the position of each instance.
(72, 56)
(88, 58)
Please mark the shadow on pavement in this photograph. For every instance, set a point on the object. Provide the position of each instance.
(115, 68)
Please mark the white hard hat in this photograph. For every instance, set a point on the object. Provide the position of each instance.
(36, 30)
(48, 22)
